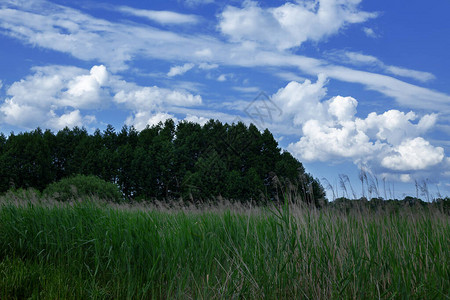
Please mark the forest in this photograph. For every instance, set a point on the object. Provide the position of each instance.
(164, 161)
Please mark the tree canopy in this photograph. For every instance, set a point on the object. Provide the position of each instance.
(164, 161)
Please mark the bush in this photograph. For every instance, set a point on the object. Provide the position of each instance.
(81, 186)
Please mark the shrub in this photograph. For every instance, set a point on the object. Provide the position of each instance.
(80, 186)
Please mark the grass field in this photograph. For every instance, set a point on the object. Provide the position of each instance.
(86, 250)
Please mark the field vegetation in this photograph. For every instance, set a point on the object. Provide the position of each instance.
(91, 249)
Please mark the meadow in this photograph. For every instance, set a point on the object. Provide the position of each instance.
(89, 249)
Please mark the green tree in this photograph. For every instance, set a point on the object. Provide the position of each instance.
(27, 160)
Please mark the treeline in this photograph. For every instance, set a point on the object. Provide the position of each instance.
(391, 205)
(165, 161)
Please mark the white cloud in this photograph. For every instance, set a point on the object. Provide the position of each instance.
(300, 102)
(405, 178)
(59, 96)
(225, 77)
(331, 131)
(324, 142)
(205, 53)
(360, 59)
(290, 76)
(162, 17)
(206, 66)
(152, 98)
(33, 101)
(1, 84)
(21, 114)
(147, 104)
(393, 126)
(413, 154)
(180, 70)
(71, 119)
(143, 118)
(418, 75)
(247, 89)
(370, 32)
(60, 28)
(222, 77)
(342, 108)
(196, 119)
(56, 27)
(85, 91)
(196, 2)
(290, 24)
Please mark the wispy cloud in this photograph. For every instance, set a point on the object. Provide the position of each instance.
(160, 16)
(360, 59)
(418, 75)
(180, 70)
(193, 3)
(114, 44)
(248, 89)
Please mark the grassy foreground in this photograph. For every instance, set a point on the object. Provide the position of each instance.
(85, 250)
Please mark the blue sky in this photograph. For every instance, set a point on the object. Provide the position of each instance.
(350, 84)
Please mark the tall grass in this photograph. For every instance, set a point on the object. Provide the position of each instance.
(89, 250)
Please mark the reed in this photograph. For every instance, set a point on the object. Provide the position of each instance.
(92, 250)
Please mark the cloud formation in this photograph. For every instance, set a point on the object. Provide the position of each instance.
(370, 32)
(59, 96)
(290, 24)
(35, 100)
(67, 30)
(179, 70)
(391, 141)
(160, 16)
(142, 119)
(360, 59)
(413, 154)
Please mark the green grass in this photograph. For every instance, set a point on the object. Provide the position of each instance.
(85, 250)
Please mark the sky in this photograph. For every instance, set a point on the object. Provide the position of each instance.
(344, 85)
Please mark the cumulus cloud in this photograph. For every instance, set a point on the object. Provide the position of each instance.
(162, 17)
(331, 131)
(70, 119)
(151, 98)
(306, 95)
(147, 104)
(413, 154)
(59, 96)
(142, 119)
(290, 24)
(327, 143)
(85, 91)
(180, 70)
(33, 101)
(393, 125)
